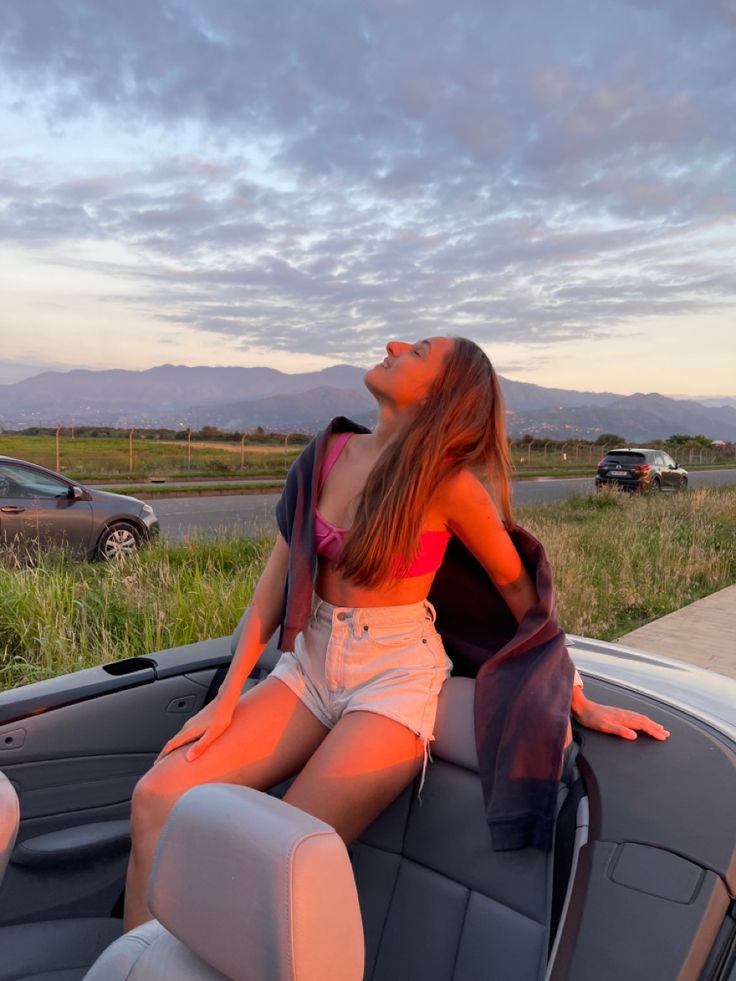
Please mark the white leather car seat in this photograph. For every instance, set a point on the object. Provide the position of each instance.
(244, 887)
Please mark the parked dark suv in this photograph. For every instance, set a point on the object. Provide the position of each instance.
(640, 470)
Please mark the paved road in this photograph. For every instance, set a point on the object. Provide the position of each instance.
(252, 514)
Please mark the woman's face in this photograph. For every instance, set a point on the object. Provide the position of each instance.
(407, 371)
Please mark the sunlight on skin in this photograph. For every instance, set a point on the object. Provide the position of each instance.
(472, 516)
(5, 838)
(375, 757)
(363, 764)
(268, 724)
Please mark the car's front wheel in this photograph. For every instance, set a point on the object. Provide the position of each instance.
(683, 484)
(118, 540)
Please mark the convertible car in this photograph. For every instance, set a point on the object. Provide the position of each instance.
(639, 886)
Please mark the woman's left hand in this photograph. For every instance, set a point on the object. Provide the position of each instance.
(616, 721)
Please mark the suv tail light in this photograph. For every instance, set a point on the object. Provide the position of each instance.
(642, 468)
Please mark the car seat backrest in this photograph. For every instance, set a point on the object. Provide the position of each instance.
(246, 887)
(437, 902)
(9, 820)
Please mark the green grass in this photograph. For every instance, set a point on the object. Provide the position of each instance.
(619, 561)
(622, 560)
(106, 458)
(58, 616)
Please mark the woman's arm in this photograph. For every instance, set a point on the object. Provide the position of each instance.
(471, 515)
(261, 620)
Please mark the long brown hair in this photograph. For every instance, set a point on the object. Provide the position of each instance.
(460, 424)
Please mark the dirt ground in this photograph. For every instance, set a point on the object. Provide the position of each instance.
(226, 447)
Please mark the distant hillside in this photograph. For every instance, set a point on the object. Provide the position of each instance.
(168, 395)
(243, 398)
(306, 412)
(636, 417)
(523, 397)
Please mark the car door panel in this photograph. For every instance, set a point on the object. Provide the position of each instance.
(15, 520)
(668, 477)
(74, 748)
(76, 783)
(62, 522)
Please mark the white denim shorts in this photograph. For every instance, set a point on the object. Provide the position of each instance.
(386, 659)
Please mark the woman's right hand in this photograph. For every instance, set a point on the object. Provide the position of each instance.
(202, 729)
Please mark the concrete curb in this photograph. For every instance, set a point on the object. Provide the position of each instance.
(702, 633)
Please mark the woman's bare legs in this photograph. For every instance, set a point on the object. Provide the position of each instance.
(348, 775)
(355, 773)
(271, 736)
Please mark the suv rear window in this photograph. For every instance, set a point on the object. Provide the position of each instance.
(624, 458)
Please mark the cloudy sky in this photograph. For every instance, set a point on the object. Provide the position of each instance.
(294, 182)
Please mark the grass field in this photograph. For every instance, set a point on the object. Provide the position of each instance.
(103, 459)
(619, 561)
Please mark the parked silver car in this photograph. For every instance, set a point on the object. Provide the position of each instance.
(40, 508)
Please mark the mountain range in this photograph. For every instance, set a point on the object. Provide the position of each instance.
(237, 399)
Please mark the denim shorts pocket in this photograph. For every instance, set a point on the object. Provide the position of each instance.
(433, 641)
(395, 635)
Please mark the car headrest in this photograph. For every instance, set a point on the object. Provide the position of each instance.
(9, 820)
(257, 888)
(454, 729)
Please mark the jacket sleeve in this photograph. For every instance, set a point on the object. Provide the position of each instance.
(523, 689)
(286, 504)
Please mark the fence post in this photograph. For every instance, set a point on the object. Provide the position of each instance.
(58, 430)
(130, 451)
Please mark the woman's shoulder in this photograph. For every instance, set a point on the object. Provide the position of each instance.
(462, 490)
(333, 438)
(341, 428)
(462, 481)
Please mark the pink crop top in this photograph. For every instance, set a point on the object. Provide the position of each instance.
(328, 539)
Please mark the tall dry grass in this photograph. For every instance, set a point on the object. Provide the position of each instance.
(619, 561)
(58, 616)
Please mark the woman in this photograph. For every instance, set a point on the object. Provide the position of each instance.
(350, 706)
